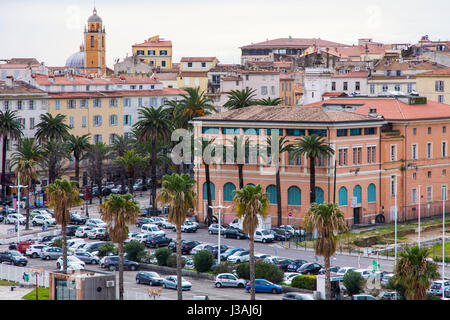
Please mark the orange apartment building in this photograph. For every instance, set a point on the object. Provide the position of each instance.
(381, 145)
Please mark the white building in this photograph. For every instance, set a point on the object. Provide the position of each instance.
(317, 81)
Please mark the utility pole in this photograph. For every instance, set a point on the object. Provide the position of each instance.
(18, 204)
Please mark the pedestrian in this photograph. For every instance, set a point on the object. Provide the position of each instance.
(337, 291)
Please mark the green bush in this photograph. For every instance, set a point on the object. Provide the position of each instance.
(305, 282)
(134, 250)
(57, 243)
(161, 255)
(224, 267)
(353, 282)
(439, 259)
(106, 249)
(263, 270)
(203, 260)
(172, 261)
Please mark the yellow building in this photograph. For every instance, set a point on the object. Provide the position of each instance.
(194, 72)
(155, 51)
(435, 85)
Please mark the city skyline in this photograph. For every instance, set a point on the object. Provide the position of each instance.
(125, 25)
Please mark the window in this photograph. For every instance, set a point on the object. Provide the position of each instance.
(6, 104)
(393, 152)
(140, 52)
(372, 88)
(264, 90)
(189, 64)
(163, 63)
(153, 102)
(345, 86)
(429, 174)
(414, 152)
(413, 195)
(393, 191)
(440, 98)
(371, 154)
(83, 121)
(333, 86)
(295, 132)
(231, 130)
(228, 189)
(113, 102)
(210, 130)
(370, 131)
(203, 64)
(127, 102)
(409, 87)
(444, 149)
(97, 103)
(342, 157)
(186, 81)
(355, 132)
(343, 196)
(443, 172)
(318, 132)
(19, 105)
(429, 150)
(272, 90)
(444, 192)
(384, 88)
(151, 52)
(71, 104)
(357, 155)
(113, 120)
(357, 192)
(444, 129)
(294, 196)
(342, 132)
(429, 130)
(92, 41)
(251, 131)
(414, 175)
(139, 102)
(212, 188)
(127, 120)
(397, 87)
(294, 160)
(272, 194)
(163, 52)
(97, 121)
(31, 123)
(133, 87)
(83, 103)
(31, 104)
(357, 86)
(269, 132)
(97, 138)
(429, 193)
(371, 193)
(439, 85)
(414, 131)
(71, 122)
(112, 138)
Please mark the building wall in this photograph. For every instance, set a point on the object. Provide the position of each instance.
(426, 86)
(287, 92)
(157, 58)
(376, 86)
(193, 82)
(351, 85)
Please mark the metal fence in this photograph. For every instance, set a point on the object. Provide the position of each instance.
(16, 274)
(131, 295)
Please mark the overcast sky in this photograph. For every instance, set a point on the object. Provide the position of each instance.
(52, 30)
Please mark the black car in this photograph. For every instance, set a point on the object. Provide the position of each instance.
(280, 234)
(310, 268)
(283, 263)
(235, 233)
(13, 257)
(186, 246)
(93, 246)
(295, 265)
(70, 230)
(112, 263)
(332, 269)
(149, 277)
(215, 250)
(142, 220)
(77, 219)
(47, 239)
(156, 241)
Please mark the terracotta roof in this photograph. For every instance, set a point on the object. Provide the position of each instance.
(355, 74)
(334, 94)
(437, 72)
(166, 76)
(162, 92)
(27, 61)
(351, 51)
(395, 65)
(197, 59)
(230, 78)
(16, 66)
(286, 76)
(106, 94)
(291, 43)
(391, 108)
(193, 74)
(133, 80)
(19, 87)
(161, 43)
(258, 72)
(225, 67)
(291, 114)
(78, 80)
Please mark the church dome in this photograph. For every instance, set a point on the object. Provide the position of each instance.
(94, 17)
(76, 61)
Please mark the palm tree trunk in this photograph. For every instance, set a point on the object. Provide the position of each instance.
(91, 191)
(64, 241)
(208, 195)
(153, 174)
(120, 270)
(326, 262)
(312, 180)
(179, 288)
(5, 142)
(277, 177)
(130, 185)
(252, 266)
(77, 171)
(27, 227)
(241, 175)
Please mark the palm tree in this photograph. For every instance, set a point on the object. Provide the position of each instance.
(250, 203)
(195, 104)
(130, 161)
(153, 125)
(328, 220)
(118, 212)
(52, 128)
(282, 147)
(269, 102)
(177, 114)
(53, 152)
(78, 146)
(178, 192)
(238, 99)
(241, 151)
(10, 128)
(97, 154)
(414, 272)
(122, 144)
(313, 147)
(63, 195)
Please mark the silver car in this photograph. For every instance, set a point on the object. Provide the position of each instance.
(228, 280)
(51, 253)
(87, 257)
(171, 283)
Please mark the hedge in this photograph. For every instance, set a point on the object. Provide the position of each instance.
(305, 282)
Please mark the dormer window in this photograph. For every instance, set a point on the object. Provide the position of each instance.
(189, 64)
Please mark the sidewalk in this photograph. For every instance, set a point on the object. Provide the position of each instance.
(17, 294)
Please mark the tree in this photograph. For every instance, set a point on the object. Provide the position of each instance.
(203, 260)
(97, 154)
(52, 128)
(118, 212)
(238, 99)
(53, 152)
(241, 147)
(10, 128)
(78, 146)
(250, 203)
(414, 272)
(63, 195)
(195, 104)
(269, 102)
(353, 282)
(313, 147)
(329, 221)
(282, 146)
(178, 191)
(153, 125)
(130, 161)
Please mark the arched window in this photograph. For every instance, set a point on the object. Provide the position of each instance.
(272, 191)
(319, 195)
(343, 196)
(371, 193)
(250, 184)
(294, 196)
(228, 189)
(213, 191)
(357, 192)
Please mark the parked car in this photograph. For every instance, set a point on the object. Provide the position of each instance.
(342, 271)
(215, 249)
(82, 231)
(186, 246)
(48, 239)
(74, 243)
(42, 219)
(51, 253)
(149, 277)
(73, 263)
(288, 276)
(385, 279)
(239, 256)
(13, 257)
(263, 236)
(93, 246)
(214, 229)
(142, 220)
(363, 297)
(34, 250)
(280, 234)
(261, 256)
(436, 287)
(228, 280)
(77, 219)
(157, 240)
(202, 246)
(292, 267)
(151, 228)
(21, 246)
(297, 296)
(364, 273)
(390, 296)
(263, 285)
(96, 223)
(87, 257)
(70, 230)
(235, 233)
(14, 217)
(283, 263)
(333, 269)
(141, 237)
(189, 226)
(170, 282)
(229, 252)
(165, 224)
(98, 233)
(112, 263)
(288, 228)
(310, 268)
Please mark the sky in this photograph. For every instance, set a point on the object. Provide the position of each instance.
(52, 30)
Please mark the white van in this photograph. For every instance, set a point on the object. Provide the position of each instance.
(264, 236)
(151, 229)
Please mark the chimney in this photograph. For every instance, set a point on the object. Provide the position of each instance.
(9, 81)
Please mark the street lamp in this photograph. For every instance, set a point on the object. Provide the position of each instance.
(37, 272)
(220, 207)
(18, 205)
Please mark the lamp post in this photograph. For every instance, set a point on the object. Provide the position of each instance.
(419, 219)
(18, 204)
(444, 197)
(220, 207)
(37, 273)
